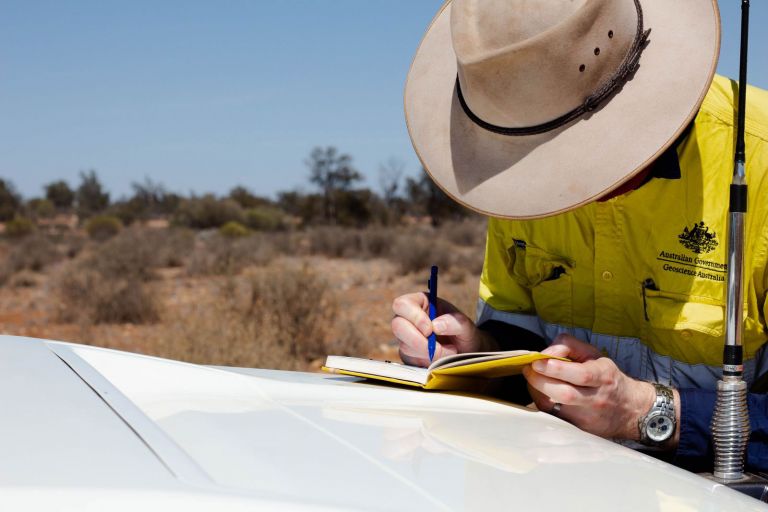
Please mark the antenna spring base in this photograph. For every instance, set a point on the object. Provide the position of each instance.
(730, 429)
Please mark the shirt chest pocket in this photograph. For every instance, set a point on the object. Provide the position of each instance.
(687, 327)
(549, 279)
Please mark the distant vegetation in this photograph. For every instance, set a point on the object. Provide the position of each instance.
(238, 279)
(338, 200)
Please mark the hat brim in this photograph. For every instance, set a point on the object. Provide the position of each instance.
(535, 176)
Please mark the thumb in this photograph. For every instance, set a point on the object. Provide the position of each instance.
(565, 345)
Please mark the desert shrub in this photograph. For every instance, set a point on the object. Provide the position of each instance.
(470, 261)
(87, 295)
(41, 208)
(334, 242)
(377, 242)
(233, 229)
(31, 253)
(110, 284)
(265, 218)
(72, 245)
(172, 246)
(466, 233)
(297, 302)
(215, 334)
(413, 253)
(207, 212)
(10, 200)
(103, 227)
(23, 279)
(218, 255)
(19, 227)
(131, 255)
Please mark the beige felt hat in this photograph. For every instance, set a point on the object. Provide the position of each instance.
(557, 102)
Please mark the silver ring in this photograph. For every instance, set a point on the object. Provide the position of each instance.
(556, 409)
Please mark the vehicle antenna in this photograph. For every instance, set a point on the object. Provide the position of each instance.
(730, 422)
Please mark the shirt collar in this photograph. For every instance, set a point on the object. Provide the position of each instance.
(667, 166)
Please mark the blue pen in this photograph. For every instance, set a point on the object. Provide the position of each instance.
(432, 287)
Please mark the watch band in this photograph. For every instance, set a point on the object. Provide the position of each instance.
(659, 424)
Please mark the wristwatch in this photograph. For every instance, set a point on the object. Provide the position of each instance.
(658, 426)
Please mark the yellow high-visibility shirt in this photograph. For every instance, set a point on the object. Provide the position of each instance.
(643, 275)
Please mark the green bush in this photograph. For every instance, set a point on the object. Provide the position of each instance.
(41, 208)
(103, 227)
(265, 218)
(233, 229)
(207, 212)
(19, 227)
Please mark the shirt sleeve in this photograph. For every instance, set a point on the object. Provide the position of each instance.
(695, 451)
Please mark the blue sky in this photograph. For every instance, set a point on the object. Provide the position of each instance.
(203, 96)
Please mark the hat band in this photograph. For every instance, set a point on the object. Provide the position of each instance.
(628, 67)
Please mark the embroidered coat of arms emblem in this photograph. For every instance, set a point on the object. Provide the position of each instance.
(699, 239)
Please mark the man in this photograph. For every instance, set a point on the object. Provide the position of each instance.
(595, 138)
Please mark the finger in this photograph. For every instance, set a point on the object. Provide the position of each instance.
(557, 351)
(453, 324)
(577, 349)
(542, 401)
(413, 344)
(557, 390)
(412, 308)
(578, 374)
(414, 348)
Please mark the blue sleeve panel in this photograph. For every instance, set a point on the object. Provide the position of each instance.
(695, 451)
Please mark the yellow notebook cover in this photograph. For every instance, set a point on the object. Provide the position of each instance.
(469, 372)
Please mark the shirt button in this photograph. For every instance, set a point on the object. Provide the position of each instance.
(686, 334)
(607, 275)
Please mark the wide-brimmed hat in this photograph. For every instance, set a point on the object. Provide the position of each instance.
(523, 109)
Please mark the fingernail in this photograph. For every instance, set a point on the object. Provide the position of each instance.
(439, 326)
(539, 366)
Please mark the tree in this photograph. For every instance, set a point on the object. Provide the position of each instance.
(60, 194)
(426, 198)
(247, 199)
(389, 178)
(331, 172)
(151, 198)
(10, 200)
(90, 196)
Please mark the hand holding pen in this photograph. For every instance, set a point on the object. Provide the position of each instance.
(455, 332)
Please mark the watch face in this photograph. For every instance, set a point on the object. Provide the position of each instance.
(659, 428)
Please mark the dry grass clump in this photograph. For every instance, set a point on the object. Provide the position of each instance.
(283, 316)
(216, 334)
(413, 253)
(351, 243)
(215, 254)
(109, 284)
(89, 297)
(297, 302)
(465, 233)
(334, 242)
(32, 253)
(132, 254)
